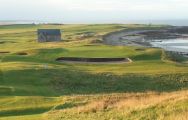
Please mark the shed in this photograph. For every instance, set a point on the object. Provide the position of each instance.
(49, 35)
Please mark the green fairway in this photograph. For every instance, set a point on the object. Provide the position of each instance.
(37, 87)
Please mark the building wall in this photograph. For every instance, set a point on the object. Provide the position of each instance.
(53, 38)
(49, 38)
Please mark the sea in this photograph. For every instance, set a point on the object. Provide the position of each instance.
(182, 22)
(175, 45)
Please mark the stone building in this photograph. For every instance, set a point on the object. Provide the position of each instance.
(49, 35)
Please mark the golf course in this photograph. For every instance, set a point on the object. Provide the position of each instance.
(146, 84)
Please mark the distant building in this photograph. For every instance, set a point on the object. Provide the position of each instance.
(49, 35)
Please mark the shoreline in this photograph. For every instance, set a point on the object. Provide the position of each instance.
(144, 37)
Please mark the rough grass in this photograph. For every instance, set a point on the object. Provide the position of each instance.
(35, 86)
(127, 106)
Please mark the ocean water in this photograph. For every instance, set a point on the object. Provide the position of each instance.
(176, 45)
(164, 22)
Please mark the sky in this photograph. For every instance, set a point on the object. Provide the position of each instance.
(76, 11)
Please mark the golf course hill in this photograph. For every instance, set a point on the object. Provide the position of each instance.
(82, 76)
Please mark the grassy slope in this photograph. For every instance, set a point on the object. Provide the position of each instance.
(34, 86)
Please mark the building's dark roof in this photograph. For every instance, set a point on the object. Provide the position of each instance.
(49, 31)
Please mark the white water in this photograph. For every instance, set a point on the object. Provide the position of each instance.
(176, 45)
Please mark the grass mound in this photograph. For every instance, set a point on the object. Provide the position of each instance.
(175, 57)
(126, 106)
(84, 83)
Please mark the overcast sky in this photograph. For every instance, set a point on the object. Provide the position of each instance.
(93, 10)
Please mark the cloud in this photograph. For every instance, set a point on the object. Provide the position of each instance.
(103, 9)
(119, 5)
(98, 5)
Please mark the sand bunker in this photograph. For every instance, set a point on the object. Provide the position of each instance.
(140, 49)
(22, 53)
(93, 60)
(2, 42)
(4, 52)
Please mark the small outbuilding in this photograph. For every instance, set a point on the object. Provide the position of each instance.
(49, 35)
